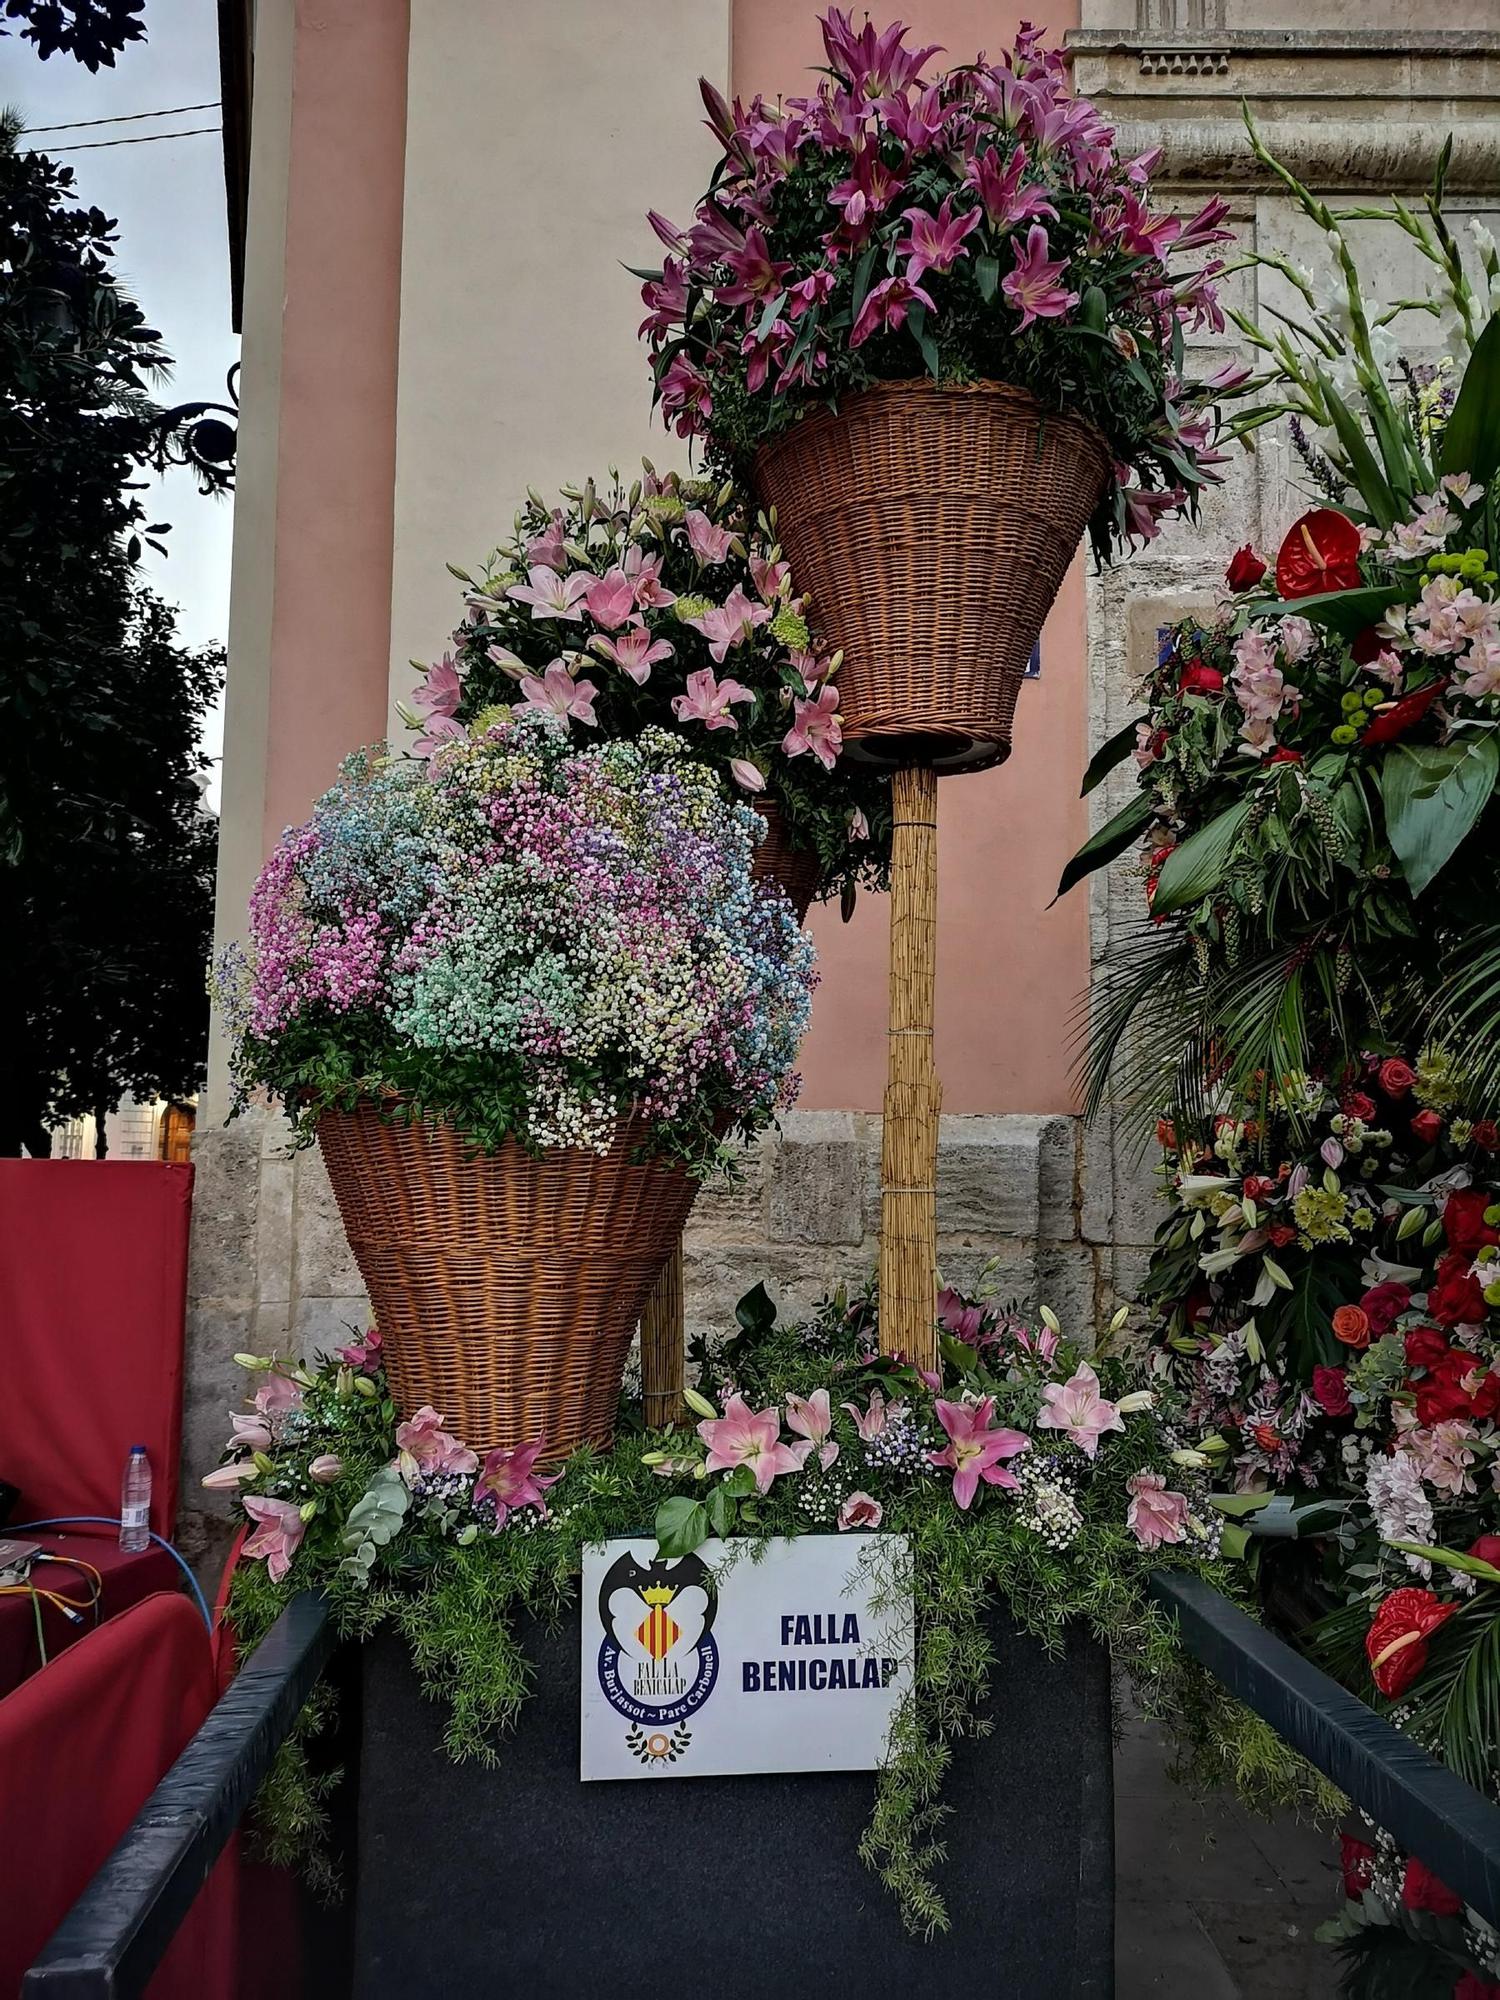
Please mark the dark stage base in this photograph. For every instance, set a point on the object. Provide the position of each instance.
(523, 1880)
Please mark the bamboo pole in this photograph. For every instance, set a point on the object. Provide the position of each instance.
(663, 1347)
(913, 1094)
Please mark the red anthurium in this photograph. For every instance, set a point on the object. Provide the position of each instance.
(1396, 1643)
(1198, 678)
(1391, 723)
(1422, 1890)
(1321, 552)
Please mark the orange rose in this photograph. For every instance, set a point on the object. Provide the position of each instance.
(1351, 1325)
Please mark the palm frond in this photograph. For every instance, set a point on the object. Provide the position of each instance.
(1466, 1016)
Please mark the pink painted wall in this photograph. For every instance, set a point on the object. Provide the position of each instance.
(330, 631)
(1009, 969)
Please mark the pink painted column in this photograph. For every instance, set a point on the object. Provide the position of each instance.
(330, 629)
(1010, 971)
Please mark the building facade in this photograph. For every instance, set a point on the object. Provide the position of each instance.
(434, 203)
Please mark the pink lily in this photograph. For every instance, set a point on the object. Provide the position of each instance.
(423, 1446)
(975, 1448)
(325, 1468)
(440, 729)
(277, 1394)
(551, 595)
(507, 661)
(707, 700)
(644, 571)
(557, 693)
(546, 551)
(230, 1478)
(756, 273)
(957, 1317)
(935, 242)
(509, 1478)
(442, 690)
(749, 777)
(610, 599)
(1075, 1406)
(1154, 1515)
(1005, 200)
(685, 396)
(278, 1536)
(875, 64)
(860, 1511)
(770, 578)
(363, 1354)
(815, 727)
(634, 652)
(811, 1417)
(730, 624)
(743, 1436)
(871, 1422)
(250, 1434)
(886, 305)
(708, 543)
(1031, 284)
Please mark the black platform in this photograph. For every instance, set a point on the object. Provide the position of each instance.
(521, 1880)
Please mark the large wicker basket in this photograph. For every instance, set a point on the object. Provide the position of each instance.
(794, 870)
(506, 1289)
(932, 525)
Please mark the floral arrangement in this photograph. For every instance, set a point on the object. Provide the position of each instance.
(1021, 1469)
(529, 940)
(665, 606)
(976, 225)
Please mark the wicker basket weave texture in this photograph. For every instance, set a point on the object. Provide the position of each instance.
(932, 526)
(506, 1289)
(793, 869)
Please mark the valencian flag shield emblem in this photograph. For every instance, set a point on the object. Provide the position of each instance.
(658, 1631)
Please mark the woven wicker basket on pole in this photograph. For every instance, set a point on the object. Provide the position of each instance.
(663, 1323)
(932, 526)
(507, 1289)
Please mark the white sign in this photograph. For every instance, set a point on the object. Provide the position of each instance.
(717, 1664)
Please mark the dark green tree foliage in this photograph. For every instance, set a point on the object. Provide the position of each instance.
(91, 31)
(106, 855)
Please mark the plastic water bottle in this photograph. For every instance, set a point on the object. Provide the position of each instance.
(135, 1502)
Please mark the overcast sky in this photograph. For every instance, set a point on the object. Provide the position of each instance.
(168, 197)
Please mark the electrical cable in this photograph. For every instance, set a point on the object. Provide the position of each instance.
(108, 1521)
(146, 139)
(122, 118)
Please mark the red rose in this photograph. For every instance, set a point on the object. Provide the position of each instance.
(1330, 1387)
(1457, 1386)
(1245, 569)
(1486, 1135)
(1484, 1400)
(1388, 724)
(1455, 1298)
(1281, 1233)
(1425, 1347)
(1321, 552)
(1357, 1860)
(1166, 1135)
(1421, 1890)
(1259, 1187)
(1463, 1220)
(1396, 1643)
(1366, 647)
(1357, 1105)
(1487, 1548)
(1384, 1304)
(1428, 1127)
(1281, 755)
(1396, 1077)
(1200, 679)
(1471, 1987)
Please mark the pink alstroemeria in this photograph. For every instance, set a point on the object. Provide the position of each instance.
(812, 1418)
(935, 242)
(707, 700)
(1031, 285)
(1075, 1406)
(860, 1511)
(708, 543)
(442, 690)
(975, 1448)
(508, 1478)
(749, 777)
(743, 1436)
(1155, 1515)
(551, 595)
(886, 305)
(278, 1536)
(557, 693)
(423, 1446)
(610, 599)
(815, 727)
(546, 551)
(730, 624)
(277, 1394)
(634, 652)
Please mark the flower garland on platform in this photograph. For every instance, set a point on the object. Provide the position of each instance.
(668, 606)
(528, 940)
(1022, 1471)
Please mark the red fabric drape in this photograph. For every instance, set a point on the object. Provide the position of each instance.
(124, 1581)
(82, 1746)
(93, 1285)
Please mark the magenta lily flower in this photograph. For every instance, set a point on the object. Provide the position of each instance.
(976, 1447)
(634, 652)
(610, 599)
(875, 64)
(509, 1480)
(743, 1436)
(363, 1354)
(886, 305)
(756, 273)
(708, 543)
(707, 700)
(557, 693)
(1031, 285)
(423, 1446)
(815, 727)
(551, 595)
(1076, 1407)
(278, 1536)
(935, 242)
(731, 623)
(1002, 194)
(812, 1418)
